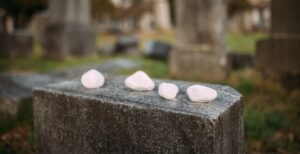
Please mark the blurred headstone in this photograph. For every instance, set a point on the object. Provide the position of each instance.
(200, 51)
(162, 14)
(9, 25)
(16, 44)
(146, 22)
(278, 57)
(68, 30)
(125, 43)
(238, 61)
(15, 89)
(115, 120)
(157, 50)
(38, 25)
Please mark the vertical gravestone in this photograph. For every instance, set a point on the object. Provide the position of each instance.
(200, 49)
(162, 14)
(114, 119)
(279, 56)
(68, 30)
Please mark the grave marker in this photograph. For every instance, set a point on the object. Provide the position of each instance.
(68, 30)
(200, 48)
(113, 119)
(278, 56)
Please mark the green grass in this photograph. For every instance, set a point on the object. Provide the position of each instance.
(243, 43)
(236, 42)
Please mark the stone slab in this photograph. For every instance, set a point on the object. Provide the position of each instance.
(240, 60)
(209, 66)
(278, 55)
(63, 40)
(157, 50)
(16, 44)
(113, 119)
(200, 51)
(15, 89)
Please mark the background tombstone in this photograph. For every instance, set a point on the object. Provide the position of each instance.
(16, 44)
(68, 30)
(113, 119)
(162, 14)
(200, 49)
(157, 50)
(278, 57)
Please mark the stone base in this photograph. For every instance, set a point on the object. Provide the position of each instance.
(208, 66)
(279, 59)
(61, 41)
(114, 119)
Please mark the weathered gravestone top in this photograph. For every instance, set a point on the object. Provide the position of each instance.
(72, 119)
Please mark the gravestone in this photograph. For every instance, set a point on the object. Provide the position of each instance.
(16, 88)
(68, 31)
(240, 60)
(157, 50)
(162, 14)
(125, 43)
(16, 44)
(200, 48)
(113, 119)
(278, 56)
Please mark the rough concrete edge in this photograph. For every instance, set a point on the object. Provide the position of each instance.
(42, 90)
(224, 119)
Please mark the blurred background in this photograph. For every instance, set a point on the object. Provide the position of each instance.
(251, 45)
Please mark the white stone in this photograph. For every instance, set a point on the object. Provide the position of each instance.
(201, 94)
(168, 91)
(92, 79)
(139, 81)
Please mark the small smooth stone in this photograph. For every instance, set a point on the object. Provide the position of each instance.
(201, 94)
(139, 81)
(168, 91)
(92, 79)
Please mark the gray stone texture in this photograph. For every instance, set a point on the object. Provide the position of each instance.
(113, 119)
(278, 56)
(200, 43)
(15, 89)
(16, 44)
(68, 31)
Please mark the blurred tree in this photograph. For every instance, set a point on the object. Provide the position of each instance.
(102, 7)
(236, 6)
(22, 10)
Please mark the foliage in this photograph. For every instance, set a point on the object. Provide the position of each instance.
(102, 7)
(22, 10)
(236, 6)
